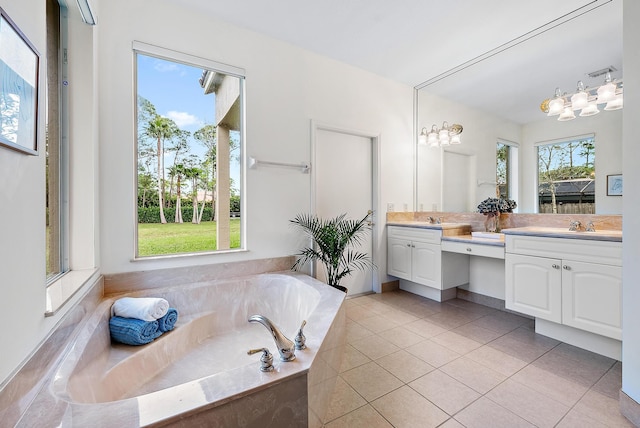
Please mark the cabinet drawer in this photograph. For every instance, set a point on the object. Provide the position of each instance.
(603, 252)
(429, 236)
(472, 249)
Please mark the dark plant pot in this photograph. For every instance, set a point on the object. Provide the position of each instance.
(340, 287)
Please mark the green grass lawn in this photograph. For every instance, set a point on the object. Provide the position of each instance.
(156, 239)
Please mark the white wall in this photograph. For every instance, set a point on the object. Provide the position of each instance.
(631, 227)
(286, 87)
(479, 137)
(607, 127)
(22, 211)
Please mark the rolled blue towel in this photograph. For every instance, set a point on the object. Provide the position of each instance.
(167, 322)
(132, 331)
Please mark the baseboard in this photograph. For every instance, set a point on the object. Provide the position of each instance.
(390, 286)
(630, 409)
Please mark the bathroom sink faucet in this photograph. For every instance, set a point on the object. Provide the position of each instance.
(575, 226)
(286, 347)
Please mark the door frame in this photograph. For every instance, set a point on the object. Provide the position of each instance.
(374, 138)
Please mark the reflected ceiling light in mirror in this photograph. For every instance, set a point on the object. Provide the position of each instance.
(585, 99)
(439, 137)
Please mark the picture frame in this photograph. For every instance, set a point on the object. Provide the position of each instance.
(19, 68)
(614, 185)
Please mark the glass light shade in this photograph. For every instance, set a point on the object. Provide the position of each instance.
(614, 104)
(590, 109)
(606, 93)
(556, 106)
(567, 114)
(422, 138)
(456, 139)
(579, 100)
(432, 139)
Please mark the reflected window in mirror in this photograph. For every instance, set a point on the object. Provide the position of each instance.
(506, 170)
(566, 176)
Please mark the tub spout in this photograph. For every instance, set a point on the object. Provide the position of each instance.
(286, 347)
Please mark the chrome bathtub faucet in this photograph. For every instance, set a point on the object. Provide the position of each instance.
(286, 347)
(266, 360)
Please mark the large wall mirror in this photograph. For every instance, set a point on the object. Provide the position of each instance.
(497, 100)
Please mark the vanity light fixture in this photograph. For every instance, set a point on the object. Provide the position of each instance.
(585, 99)
(439, 137)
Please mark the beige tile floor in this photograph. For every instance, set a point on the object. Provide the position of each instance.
(413, 362)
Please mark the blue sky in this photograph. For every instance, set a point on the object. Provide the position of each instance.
(174, 89)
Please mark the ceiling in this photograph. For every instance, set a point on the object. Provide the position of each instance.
(413, 41)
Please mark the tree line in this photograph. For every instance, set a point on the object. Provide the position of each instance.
(169, 172)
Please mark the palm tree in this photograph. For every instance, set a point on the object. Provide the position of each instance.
(332, 240)
(160, 128)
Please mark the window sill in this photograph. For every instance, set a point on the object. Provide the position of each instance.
(61, 290)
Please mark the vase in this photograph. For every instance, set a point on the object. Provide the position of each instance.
(492, 222)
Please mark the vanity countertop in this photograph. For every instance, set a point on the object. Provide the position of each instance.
(448, 229)
(469, 239)
(427, 225)
(557, 232)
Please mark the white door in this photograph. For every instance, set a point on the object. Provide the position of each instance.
(343, 172)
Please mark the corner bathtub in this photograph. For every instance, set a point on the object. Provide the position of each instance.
(199, 374)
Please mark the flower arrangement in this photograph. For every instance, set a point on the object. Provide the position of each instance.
(495, 206)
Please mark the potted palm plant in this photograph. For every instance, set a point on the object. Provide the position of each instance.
(333, 241)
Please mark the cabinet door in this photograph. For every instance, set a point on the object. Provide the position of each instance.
(399, 258)
(592, 297)
(427, 264)
(533, 286)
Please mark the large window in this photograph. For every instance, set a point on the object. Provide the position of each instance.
(566, 176)
(56, 148)
(189, 145)
(506, 170)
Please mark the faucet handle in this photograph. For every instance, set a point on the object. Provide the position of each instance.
(590, 227)
(300, 339)
(266, 360)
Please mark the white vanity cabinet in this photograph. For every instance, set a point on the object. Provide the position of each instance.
(415, 254)
(574, 282)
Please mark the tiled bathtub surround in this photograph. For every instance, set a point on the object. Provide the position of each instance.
(143, 280)
(20, 391)
(509, 220)
(201, 371)
(412, 362)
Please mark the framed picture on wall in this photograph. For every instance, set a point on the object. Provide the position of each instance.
(614, 185)
(18, 89)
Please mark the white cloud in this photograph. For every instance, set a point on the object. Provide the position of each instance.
(182, 118)
(165, 66)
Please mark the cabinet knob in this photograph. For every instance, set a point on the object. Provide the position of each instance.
(408, 245)
(555, 266)
(469, 249)
(566, 267)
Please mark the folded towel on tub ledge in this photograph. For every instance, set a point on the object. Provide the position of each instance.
(143, 308)
(133, 331)
(167, 322)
